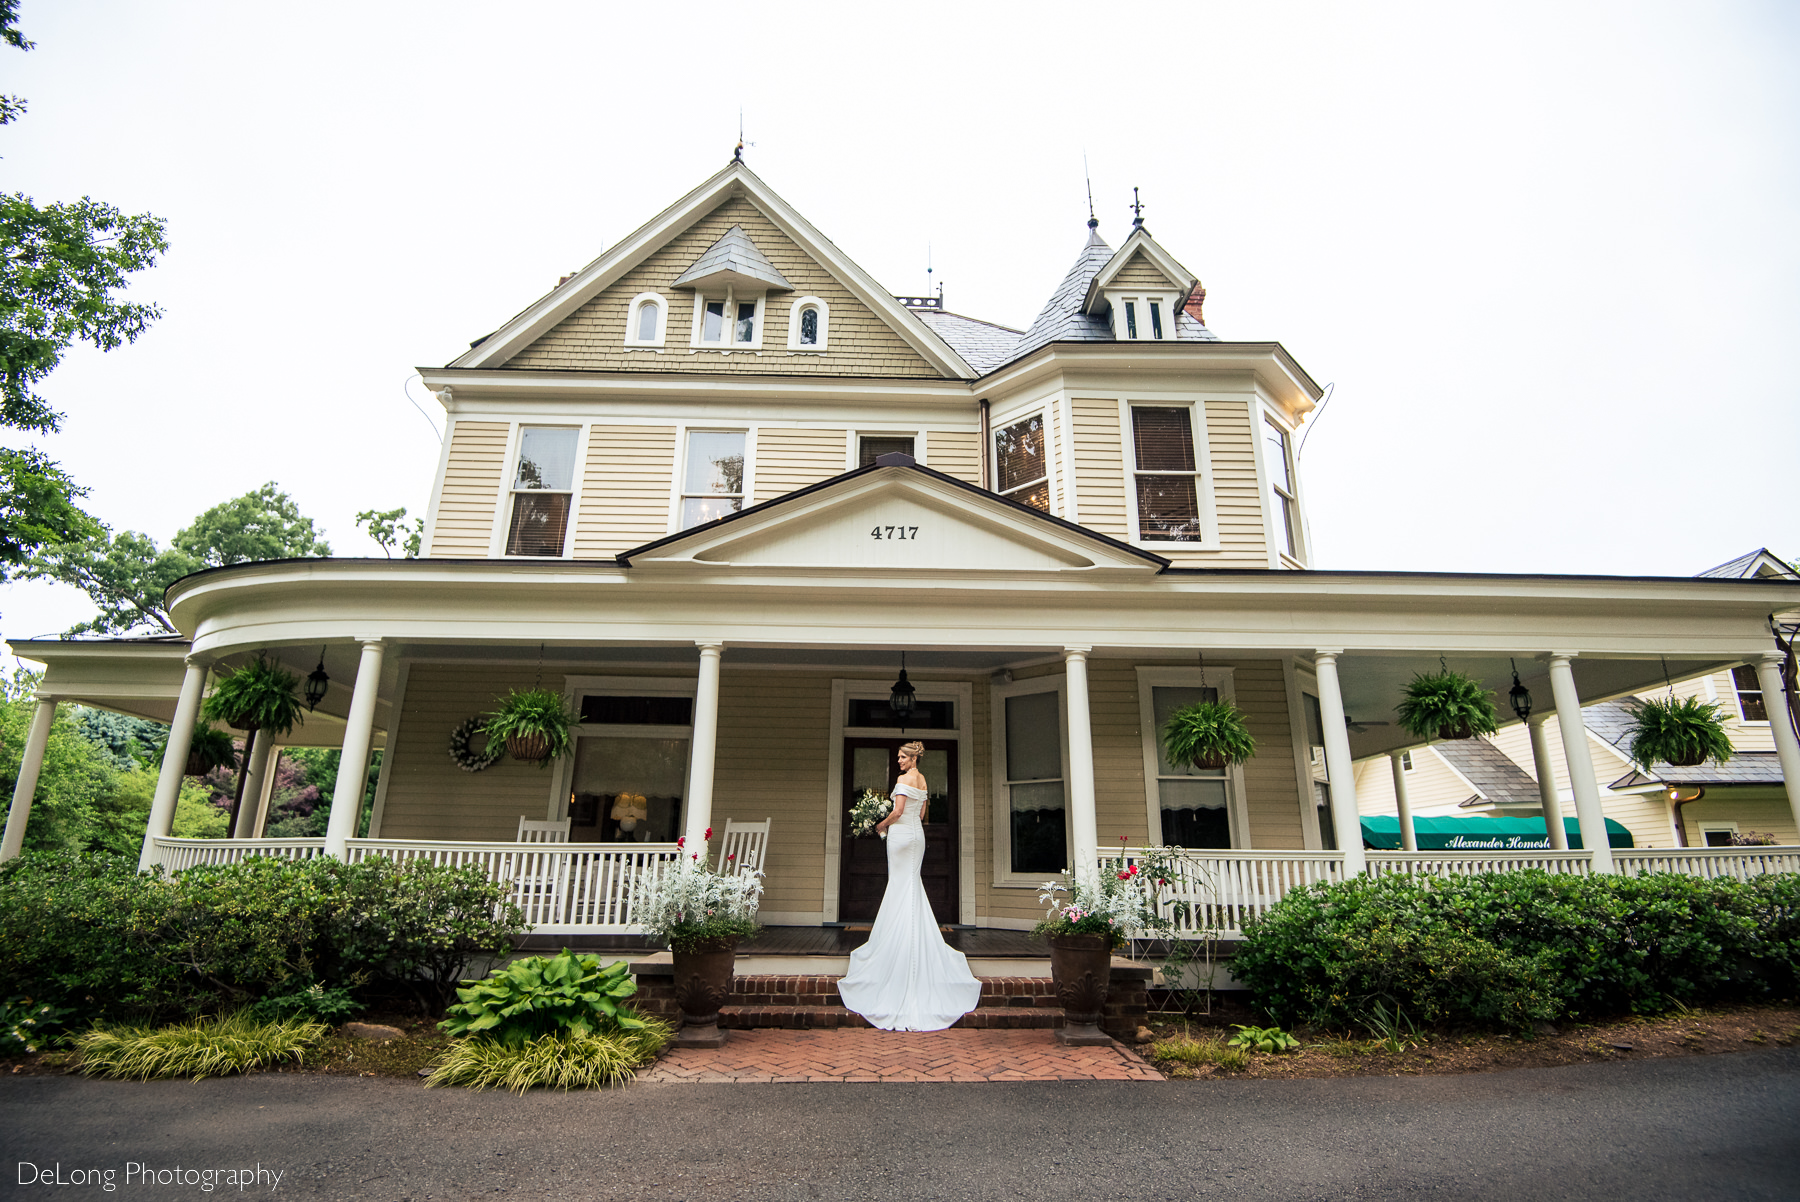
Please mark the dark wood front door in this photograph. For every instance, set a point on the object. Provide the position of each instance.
(871, 764)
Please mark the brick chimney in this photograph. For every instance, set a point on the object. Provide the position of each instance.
(1196, 302)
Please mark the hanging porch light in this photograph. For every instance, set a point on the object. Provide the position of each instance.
(316, 684)
(902, 698)
(1519, 695)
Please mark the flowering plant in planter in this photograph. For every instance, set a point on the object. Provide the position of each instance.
(533, 723)
(689, 904)
(1113, 908)
(1683, 733)
(1447, 705)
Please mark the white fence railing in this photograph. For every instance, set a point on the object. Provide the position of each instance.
(178, 854)
(1467, 863)
(1739, 862)
(562, 887)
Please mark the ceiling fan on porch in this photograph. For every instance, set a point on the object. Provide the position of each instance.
(1361, 728)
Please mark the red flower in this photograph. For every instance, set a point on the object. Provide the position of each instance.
(732, 856)
(681, 842)
(708, 834)
(1122, 840)
(1124, 876)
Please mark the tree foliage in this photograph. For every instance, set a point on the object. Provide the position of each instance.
(264, 523)
(37, 508)
(389, 530)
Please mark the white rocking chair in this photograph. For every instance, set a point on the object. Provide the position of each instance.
(538, 877)
(746, 845)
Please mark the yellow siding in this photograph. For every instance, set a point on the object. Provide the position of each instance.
(1273, 795)
(1100, 466)
(1053, 453)
(1432, 788)
(1235, 494)
(955, 453)
(1140, 273)
(625, 489)
(1764, 810)
(791, 459)
(472, 480)
(859, 342)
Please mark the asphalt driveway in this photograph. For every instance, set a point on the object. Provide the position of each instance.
(1691, 1127)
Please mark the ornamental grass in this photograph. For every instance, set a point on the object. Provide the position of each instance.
(1195, 1052)
(565, 1061)
(213, 1046)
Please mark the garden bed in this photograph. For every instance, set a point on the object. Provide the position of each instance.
(1694, 1033)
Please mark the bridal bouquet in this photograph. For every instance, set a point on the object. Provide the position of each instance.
(869, 809)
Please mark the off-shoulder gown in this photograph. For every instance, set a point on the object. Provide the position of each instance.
(906, 978)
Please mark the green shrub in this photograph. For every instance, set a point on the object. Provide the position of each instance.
(546, 995)
(1508, 949)
(566, 1061)
(206, 1047)
(27, 1024)
(330, 1006)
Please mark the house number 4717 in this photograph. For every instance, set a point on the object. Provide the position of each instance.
(911, 532)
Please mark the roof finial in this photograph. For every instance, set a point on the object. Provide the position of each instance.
(1093, 221)
(928, 269)
(737, 156)
(1137, 207)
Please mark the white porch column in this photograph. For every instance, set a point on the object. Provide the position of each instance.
(1409, 838)
(353, 764)
(1581, 764)
(268, 791)
(250, 809)
(26, 788)
(1084, 824)
(174, 765)
(1345, 819)
(1787, 747)
(705, 750)
(1545, 770)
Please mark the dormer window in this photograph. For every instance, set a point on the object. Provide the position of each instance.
(1131, 319)
(647, 320)
(809, 324)
(733, 322)
(1142, 318)
(809, 327)
(1155, 319)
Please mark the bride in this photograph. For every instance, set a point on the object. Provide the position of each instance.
(906, 978)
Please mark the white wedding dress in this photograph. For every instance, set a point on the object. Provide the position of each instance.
(906, 978)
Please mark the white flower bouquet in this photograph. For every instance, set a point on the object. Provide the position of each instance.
(869, 810)
(687, 903)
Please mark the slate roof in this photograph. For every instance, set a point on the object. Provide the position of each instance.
(734, 252)
(1612, 721)
(1744, 566)
(982, 344)
(1063, 321)
(1743, 768)
(1498, 779)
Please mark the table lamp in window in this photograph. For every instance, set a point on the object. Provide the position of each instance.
(629, 809)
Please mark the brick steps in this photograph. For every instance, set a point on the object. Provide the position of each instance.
(826, 1018)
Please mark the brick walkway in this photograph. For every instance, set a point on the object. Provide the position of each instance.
(866, 1055)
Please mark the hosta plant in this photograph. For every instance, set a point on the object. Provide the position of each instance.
(1447, 705)
(1208, 734)
(1682, 732)
(689, 905)
(562, 994)
(1263, 1039)
(533, 723)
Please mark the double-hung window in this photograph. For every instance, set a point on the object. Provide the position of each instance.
(543, 487)
(1284, 508)
(712, 481)
(1166, 476)
(1022, 463)
(731, 322)
(1189, 806)
(1032, 799)
(1749, 694)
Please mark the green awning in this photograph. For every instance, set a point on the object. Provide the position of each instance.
(1382, 832)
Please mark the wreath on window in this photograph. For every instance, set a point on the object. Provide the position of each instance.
(468, 759)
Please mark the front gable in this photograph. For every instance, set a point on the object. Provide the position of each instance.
(900, 517)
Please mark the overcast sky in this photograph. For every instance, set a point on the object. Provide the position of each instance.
(1548, 253)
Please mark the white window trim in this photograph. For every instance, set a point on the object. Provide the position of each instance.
(1406, 762)
(853, 443)
(793, 339)
(682, 430)
(960, 692)
(997, 425)
(575, 687)
(1203, 474)
(1221, 679)
(1296, 682)
(1702, 828)
(731, 300)
(1170, 302)
(503, 504)
(1004, 876)
(1737, 698)
(1265, 481)
(662, 319)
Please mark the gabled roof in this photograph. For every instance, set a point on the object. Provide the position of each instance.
(1757, 564)
(733, 260)
(1612, 721)
(557, 305)
(954, 527)
(1496, 778)
(1139, 242)
(1065, 317)
(1743, 768)
(984, 344)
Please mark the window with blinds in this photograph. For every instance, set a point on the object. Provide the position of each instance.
(543, 486)
(1749, 694)
(1283, 505)
(1022, 463)
(1165, 473)
(869, 449)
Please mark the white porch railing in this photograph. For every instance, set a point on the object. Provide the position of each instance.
(1739, 862)
(1467, 863)
(561, 887)
(177, 854)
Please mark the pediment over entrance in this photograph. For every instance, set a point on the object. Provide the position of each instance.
(900, 517)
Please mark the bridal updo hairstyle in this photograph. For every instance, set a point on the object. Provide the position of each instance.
(913, 750)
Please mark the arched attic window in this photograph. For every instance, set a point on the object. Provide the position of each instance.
(809, 324)
(646, 320)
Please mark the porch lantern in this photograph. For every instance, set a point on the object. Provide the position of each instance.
(902, 698)
(316, 684)
(1520, 696)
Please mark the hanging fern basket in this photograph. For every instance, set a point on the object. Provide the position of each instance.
(1684, 733)
(1209, 735)
(534, 724)
(530, 748)
(1446, 705)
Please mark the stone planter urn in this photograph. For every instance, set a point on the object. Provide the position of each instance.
(1081, 966)
(702, 985)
